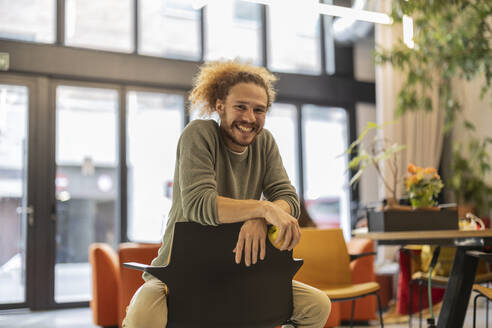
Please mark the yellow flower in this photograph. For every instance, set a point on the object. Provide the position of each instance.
(430, 170)
(413, 179)
(411, 168)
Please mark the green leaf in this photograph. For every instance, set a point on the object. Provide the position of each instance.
(356, 177)
(469, 125)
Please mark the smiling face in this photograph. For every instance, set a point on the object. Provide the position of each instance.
(242, 115)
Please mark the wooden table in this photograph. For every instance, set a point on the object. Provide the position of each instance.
(464, 268)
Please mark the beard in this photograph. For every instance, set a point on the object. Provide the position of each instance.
(227, 133)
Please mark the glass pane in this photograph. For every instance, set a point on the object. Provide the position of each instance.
(13, 164)
(326, 190)
(33, 20)
(281, 121)
(294, 41)
(155, 122)
(233, 29)
(169, 29)
(86, 183)
(106, 25)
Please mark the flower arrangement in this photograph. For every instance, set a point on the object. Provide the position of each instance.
(423, 186)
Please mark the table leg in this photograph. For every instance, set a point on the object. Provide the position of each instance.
(458, 291)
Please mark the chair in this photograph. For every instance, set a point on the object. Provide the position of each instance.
(223, 294)
(482, 291)
(327, 267)
(421, 278)
(486, 293)
(112, 285)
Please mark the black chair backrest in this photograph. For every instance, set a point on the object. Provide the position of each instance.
(208, 289)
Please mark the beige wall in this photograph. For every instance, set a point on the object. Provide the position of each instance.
(368, 188)
(364, 69)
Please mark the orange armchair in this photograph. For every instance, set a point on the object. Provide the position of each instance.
(327, 267)
(112, 285)
(362, 270)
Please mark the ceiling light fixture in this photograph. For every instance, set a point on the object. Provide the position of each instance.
(363, 15)
(326, 9)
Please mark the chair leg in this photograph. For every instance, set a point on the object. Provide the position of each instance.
(475, 310)
(420, 304)
(410, 307)
(380, 310)
(352, 314)
(487, 313)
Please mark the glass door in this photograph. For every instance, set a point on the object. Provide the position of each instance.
(15, 213)
(86, 183)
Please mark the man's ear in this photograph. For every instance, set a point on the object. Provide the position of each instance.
(219, 106)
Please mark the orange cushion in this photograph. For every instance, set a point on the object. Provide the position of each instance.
(362, 271)
(105, 281)
(130, 279)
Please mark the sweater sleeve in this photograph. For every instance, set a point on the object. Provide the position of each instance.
(276, 183)
(197, 183)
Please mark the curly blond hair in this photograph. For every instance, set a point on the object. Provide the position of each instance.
(215, 79)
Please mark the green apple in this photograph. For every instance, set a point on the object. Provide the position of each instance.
(273, 235)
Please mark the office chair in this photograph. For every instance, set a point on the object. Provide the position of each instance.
(327, 267)
(207, 289)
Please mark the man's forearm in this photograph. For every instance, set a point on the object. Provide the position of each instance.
(283, 205)
(231, 210)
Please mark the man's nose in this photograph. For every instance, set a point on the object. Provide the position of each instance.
(249, 115)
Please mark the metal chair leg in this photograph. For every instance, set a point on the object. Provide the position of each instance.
(380, 310)
(410, 307)
(487, 313)
(420, 304)
(352, 314)
(475, 310)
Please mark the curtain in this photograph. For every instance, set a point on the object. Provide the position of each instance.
(421, 132)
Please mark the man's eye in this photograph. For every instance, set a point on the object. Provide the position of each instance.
(259, 110)
(241, 107)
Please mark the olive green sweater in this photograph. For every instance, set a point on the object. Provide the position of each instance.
(206, 168)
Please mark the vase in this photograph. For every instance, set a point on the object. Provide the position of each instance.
(422, 199)
(412, 220)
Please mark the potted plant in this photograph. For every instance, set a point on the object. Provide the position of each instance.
(376, 152)
(451, 40)
(423, 186)
(393, 217)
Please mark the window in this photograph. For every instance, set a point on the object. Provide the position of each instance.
(13, 194)
(106, 25)
(86, 183)
(33, 20)
(325, 139)
(233, 29)
(154, 124)
(281, 121)
(294, 40)
(169, 29)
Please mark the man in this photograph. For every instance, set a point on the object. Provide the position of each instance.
(220, 174)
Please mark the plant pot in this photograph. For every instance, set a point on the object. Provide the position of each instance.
(412, 220)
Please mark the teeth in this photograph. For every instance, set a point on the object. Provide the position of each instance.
(244, 129)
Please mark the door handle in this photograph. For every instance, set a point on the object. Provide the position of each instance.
(29, 211)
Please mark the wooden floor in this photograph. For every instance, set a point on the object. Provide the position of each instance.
(82, 318)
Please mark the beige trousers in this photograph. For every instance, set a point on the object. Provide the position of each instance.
(148, 307)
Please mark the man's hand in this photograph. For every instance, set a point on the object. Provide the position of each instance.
(252, 238)
(288, 227)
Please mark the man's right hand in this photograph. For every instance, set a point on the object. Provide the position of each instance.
(288, 227)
